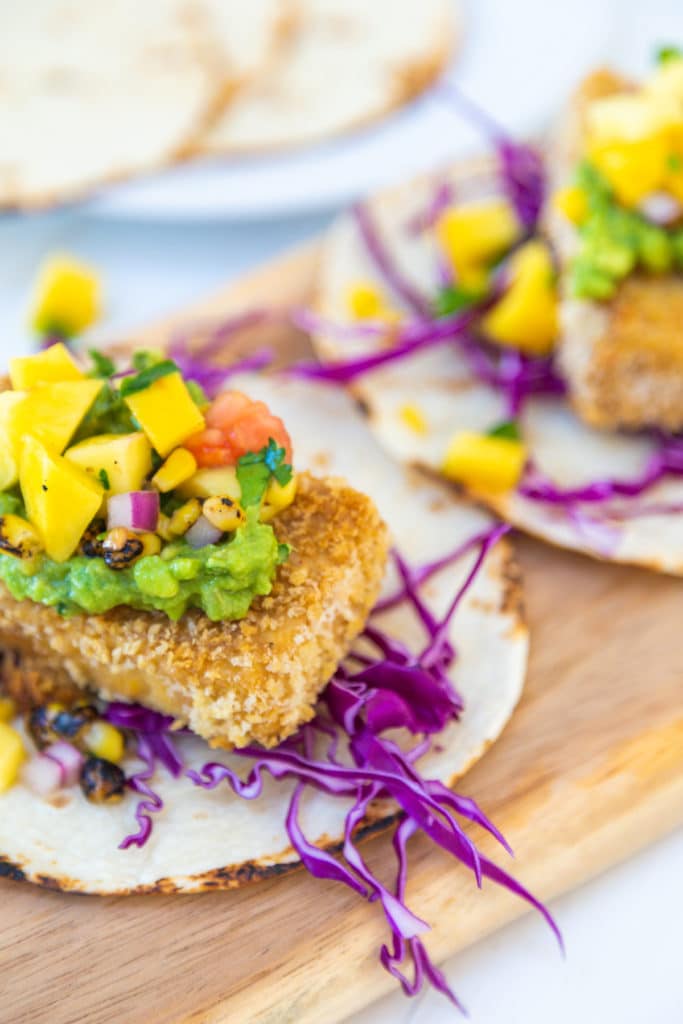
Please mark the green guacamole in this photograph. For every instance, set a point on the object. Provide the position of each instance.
(221, 579)
(614, 241)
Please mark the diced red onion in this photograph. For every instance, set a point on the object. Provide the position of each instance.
(134, 510)
(42, 775)
(69, 759)
(660, 208)
(202, 533)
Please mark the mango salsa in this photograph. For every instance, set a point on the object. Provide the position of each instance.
(179, 466)
(52, 364)
(12, 754)
(207, 482)
(484, 463)
(526, 317)
(51, 412)
(121, 462)
(474, 234)
(60, 498)
(166, 412)
(67, 297)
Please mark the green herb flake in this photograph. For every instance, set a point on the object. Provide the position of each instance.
(508, 430)
(663, 54)
(102, 366)
(674, 162)
(103, 477)
(255, 469)
(143, 380)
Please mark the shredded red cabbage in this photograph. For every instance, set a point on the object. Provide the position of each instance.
(395, 279)
(195, 362)
(367, 696)
(521, 166)
(442, 197)
(153, 746)
(665, 461)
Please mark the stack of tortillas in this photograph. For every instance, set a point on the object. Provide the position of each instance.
(95, 93)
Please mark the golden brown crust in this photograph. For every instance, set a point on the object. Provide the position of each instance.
(622, 359)
(232, 682)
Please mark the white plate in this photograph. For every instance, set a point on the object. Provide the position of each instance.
(518, 60)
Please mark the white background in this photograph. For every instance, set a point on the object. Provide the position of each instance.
(624, 931)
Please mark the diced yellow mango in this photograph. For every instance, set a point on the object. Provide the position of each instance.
(526, 317)
(166, 412)
(413, 418)
(9, 465)
(179, 466)
(277, 498)
(473, 234)
(67, 297)
(483, 463)
(572, 203)
(633, 169)
(52, 364)
(60, 498)
(12, 754)
(215, 480)
(52, 412)
(8, 709)
(125, 458)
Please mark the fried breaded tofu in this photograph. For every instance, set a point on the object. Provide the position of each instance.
(622, 359)
(254, 680)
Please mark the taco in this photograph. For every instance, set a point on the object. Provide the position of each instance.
(108, 786)
(449, 305)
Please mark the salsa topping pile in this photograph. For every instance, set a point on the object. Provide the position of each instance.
(131, 488)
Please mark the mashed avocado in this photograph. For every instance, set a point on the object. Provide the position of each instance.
(221, 579)
(614, 241)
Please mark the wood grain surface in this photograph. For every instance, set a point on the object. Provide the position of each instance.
(589, 770)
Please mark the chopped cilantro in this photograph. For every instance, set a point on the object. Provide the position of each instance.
(674, 162)
(508, 430)
(103, 477)
(454, 299)
(145, 378)
(663, 54)
(255, 469)
(107, 415)
(197, 393)
(102, 366)
(146, 357)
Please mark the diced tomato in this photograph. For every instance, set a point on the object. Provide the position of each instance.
(235, 425)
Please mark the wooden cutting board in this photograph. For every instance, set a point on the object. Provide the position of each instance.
(589, 770)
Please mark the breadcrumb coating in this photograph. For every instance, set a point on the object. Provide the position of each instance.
(622, 359)
(255, 680)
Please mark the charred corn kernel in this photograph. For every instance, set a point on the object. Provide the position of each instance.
(364, 301)
(277, 498)
(527, 315)
(67, 297)
(104, 740)
(473, 234)
(413, 418)
(571, 201)
(484, 463)
(151, 544)
(18, 537)
(12, 754)
(178, 467)
(184, 517)
(8, 709)
(224, 513)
